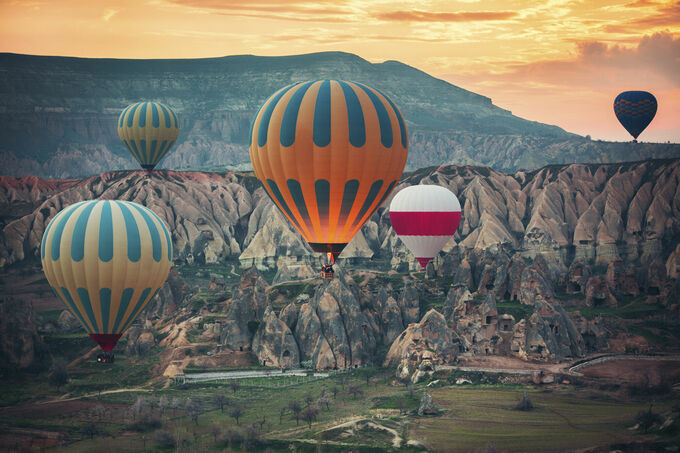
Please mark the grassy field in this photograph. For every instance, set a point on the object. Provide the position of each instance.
(471, 417)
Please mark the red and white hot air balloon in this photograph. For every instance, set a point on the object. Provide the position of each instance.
(425, 218)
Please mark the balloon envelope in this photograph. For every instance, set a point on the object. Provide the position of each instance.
(148, 130)
(105, 260)
(425, 218)
(328, 153)
(635, 110)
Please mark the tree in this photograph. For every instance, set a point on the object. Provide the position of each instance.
(309, 414)
(334, 390)
(163, 404)
(295, 408)
(220, 400)
(308, 399)
(166, 440)
(138, 407)
(232, 436)
(524, 404)
(193, 410)
(324, 400)
(236, 413)
(59, 374)
(234, 386)
(647, 419)
(355, 390)
(215, 430)
(174, 405)
(91, 430)
(282, 413)
(99, 411)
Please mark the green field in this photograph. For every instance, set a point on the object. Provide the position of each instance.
(471, 417)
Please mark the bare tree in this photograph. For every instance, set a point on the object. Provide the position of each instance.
(309, 414)
(215, 430)
(236, 413)
(163, 404)
(220, 400)
(295, 408)
(282, 413)
(324, 400)
(309, 399)
(334, 390)
(138, 407)
(232, 436)
(99, 411)
(166, 440)
(234, 386)
(174, 405)
(193, 409)
(355, 390)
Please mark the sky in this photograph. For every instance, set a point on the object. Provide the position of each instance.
(558, 62)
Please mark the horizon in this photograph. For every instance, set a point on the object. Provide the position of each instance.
(573, 58)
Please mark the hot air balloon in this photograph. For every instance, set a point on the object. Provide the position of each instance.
(328, 153)
(148, 130)
(425, 217)
(635, 110)
(105, 260)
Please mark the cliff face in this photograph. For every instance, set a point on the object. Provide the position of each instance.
(58, 115)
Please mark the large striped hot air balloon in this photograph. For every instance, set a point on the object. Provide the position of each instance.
(425, 217)
(635, 110)
(328, 153)
(148, 130)
(105, 260)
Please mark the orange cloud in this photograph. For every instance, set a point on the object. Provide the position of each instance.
(428, 16)
(300, 10)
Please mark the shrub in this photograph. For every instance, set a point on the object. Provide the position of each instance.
(524, 404)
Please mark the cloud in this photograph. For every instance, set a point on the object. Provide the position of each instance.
(108, 14)
(665, 16)
(296, 10)
(428, 16)
(596, 63)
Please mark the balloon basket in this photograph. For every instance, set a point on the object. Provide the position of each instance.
(106, 357)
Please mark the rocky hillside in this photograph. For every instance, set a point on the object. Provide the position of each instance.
(57, 115)
(540, 260)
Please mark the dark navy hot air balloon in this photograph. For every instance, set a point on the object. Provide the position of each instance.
(635, 110)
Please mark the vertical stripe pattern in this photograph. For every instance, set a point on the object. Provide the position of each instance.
(148, 130)
(328, 153)
(105, 259)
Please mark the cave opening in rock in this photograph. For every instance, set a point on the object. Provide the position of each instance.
(489, 286)
(507, 295)
(514, 296)
(578, 272)
(286, 353)
(599, 301)
(573, 287)
(653, 291)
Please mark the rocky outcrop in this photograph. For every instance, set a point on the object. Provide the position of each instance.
(244, 311)
(431, 335)
(19, 340)
(274, 343)
(598, 294)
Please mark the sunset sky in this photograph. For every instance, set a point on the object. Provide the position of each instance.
(558, 62)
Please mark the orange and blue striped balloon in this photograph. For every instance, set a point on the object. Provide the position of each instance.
(328, 153)
(105, 260)
(148, 130)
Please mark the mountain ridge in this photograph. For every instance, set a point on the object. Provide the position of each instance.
(58, 114)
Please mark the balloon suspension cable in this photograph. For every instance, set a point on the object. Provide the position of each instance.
(330, 259)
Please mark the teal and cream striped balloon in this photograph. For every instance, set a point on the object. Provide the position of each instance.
(148, 130)
(106, 259)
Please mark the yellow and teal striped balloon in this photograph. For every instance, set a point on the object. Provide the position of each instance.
(106, 259)
(148, 130)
